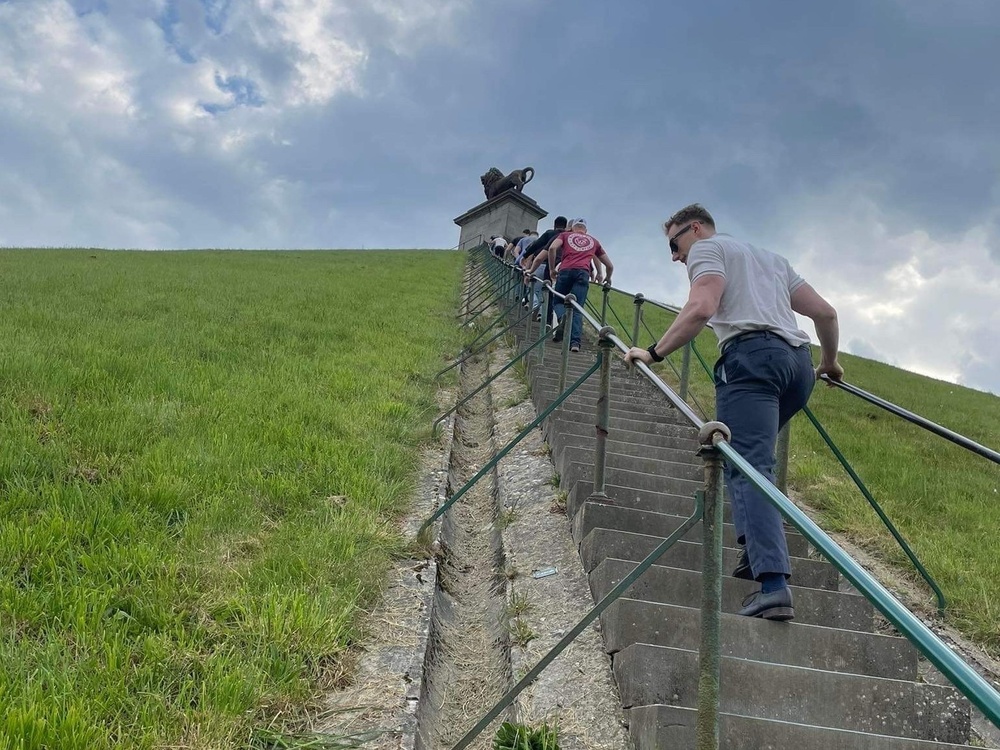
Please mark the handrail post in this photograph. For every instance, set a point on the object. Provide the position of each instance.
(528, 338)
(603, 412)
(781, 454)
(543, 318)
(567, 326)
(709, 659)
(639, 299)
(605, 291)
(685, 371)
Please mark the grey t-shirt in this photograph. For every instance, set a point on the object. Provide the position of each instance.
(759, 286)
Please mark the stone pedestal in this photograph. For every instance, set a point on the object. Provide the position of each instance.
(508, 214)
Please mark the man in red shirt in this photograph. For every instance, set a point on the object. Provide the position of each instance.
(578, 249)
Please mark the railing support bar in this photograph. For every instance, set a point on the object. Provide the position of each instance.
(503, 452)
(942, 603)
(685, 371)
(566, 325)
(709, 659)
(603, 413)
(637, 320)
(489, 380)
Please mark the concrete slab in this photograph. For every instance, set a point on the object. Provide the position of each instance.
(667, 585)
(649, 675)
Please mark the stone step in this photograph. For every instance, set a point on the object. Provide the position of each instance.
(601, 544)
(666, 585)
(556, 424)
(598, 515)
(795, 643)
(684, 469)
(660, 726)
(567, 413)
(625, 497)
(631, 399)
(649, 675)
(579, 472)
(546, 390)
(683, 451)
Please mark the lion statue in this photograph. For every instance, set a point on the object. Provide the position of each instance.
(494, 182)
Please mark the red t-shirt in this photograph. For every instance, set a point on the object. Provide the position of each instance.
(578, 250)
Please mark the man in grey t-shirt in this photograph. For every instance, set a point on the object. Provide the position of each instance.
(764, 376)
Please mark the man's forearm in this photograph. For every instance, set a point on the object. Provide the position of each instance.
(685, 327)
(828, 333)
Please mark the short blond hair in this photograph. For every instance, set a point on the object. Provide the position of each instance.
(694, 212)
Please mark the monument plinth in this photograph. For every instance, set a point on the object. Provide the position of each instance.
(508, 214)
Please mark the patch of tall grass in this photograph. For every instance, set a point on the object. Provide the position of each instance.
(203, 457)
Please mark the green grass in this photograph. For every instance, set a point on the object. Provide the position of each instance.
(203, 456)
(943, 499)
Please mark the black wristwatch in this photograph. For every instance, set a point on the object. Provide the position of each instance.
(652, 353)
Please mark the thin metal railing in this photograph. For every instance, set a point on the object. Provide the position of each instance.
(909, 416)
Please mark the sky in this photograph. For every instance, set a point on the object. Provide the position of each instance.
(857, 138)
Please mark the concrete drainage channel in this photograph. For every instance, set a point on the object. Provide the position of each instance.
(467, 668)
(492, 619)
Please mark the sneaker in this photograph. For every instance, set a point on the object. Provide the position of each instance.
(557, 336)
(574, 347)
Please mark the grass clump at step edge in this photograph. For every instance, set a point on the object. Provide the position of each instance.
(203, 456)
(944, 500)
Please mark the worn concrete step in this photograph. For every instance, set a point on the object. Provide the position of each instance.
(565, 443)
(666, 585)
(797, 644)
(649, 675)
(650, 402)
(584, 472)
(556, 425)
(641, 426)
(601, 544)
(621, 382)
(598, 515)
(684, 469)
(621, 385)
(626, 497)
(682, 451)
(661, 726)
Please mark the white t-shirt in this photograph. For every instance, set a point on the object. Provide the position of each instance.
(759, 286)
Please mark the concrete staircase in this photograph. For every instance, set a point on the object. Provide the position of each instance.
(824, 680)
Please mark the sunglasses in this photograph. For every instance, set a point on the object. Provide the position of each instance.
(673, 244)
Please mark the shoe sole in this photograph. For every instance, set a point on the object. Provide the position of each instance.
(781, 614)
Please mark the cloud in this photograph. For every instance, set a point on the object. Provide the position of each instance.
(856, 139)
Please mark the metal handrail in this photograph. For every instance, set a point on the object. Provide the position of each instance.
(909, 416)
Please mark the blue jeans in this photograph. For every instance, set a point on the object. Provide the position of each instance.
(577, 283)
(760, 383)
(536, 301)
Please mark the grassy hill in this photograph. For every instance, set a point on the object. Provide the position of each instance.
(202, 459)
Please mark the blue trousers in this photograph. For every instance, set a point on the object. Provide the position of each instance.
(577, 282)
(760, 383)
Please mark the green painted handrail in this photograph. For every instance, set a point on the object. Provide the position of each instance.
(961, 675)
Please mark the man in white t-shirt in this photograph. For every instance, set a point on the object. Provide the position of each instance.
(764, 376)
